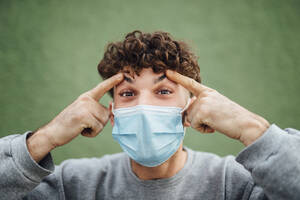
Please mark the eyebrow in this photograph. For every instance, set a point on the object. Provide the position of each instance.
(129, 80)
(160, 78)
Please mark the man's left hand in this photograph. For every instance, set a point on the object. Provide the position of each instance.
(210, 111)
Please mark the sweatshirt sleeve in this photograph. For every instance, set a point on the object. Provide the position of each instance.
(274, 163)
(19, 173)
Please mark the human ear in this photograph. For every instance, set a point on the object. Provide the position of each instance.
(111, 115)
(184, 120)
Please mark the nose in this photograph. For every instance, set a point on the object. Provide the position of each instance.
(145, 98)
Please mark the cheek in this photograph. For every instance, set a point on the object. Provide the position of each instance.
(121, 103)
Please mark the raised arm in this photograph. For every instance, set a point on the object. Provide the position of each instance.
(25, 159)
(272, 155)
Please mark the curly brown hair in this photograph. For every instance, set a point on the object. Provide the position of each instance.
(157, 50)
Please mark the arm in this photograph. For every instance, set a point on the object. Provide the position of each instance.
(270, 155)
(209, 111)
(18, 171)
(274, 163)
(25, 159)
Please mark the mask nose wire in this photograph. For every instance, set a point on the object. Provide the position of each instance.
(186, 106)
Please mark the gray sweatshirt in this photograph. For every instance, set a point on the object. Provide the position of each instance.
(267, 169)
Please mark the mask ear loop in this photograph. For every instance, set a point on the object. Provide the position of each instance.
(112, 108)
(183, 110)
(186, 106)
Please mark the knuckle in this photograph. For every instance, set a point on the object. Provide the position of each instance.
(105, 118)
(103, 114)
(206, 93)
(214, 93)
(105, 111)
(100, 127)
(204, 101)
(189, 118)
(93, 134)
(193, 83)
(194, 124)
(97, 129)
(213, 90)
(94, 126)
(102, 118)
(84, 97)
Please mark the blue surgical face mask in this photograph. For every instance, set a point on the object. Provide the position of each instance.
(150, 135)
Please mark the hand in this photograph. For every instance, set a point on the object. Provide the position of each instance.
(85, 115)
(210, 111)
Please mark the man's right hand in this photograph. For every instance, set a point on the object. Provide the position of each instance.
(84, 116)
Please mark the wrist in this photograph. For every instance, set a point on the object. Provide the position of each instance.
(39, 145)
(253, 129)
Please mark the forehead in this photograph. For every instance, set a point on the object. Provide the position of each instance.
(147, 73)
(146, 76)
(143, 72)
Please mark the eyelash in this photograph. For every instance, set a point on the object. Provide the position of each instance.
(125, 93)
(169, 92)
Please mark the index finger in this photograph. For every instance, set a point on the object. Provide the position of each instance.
(188, 83)
(98, 91)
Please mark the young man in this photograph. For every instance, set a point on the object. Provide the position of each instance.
(155, 84)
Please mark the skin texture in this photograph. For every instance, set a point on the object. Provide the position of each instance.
(208, 111)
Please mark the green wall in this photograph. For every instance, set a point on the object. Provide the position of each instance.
(49, 50)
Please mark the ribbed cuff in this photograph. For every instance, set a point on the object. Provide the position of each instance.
(260, 150)
(25, 163)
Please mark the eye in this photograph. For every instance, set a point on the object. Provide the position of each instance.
(164, 92)
(126, 94)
